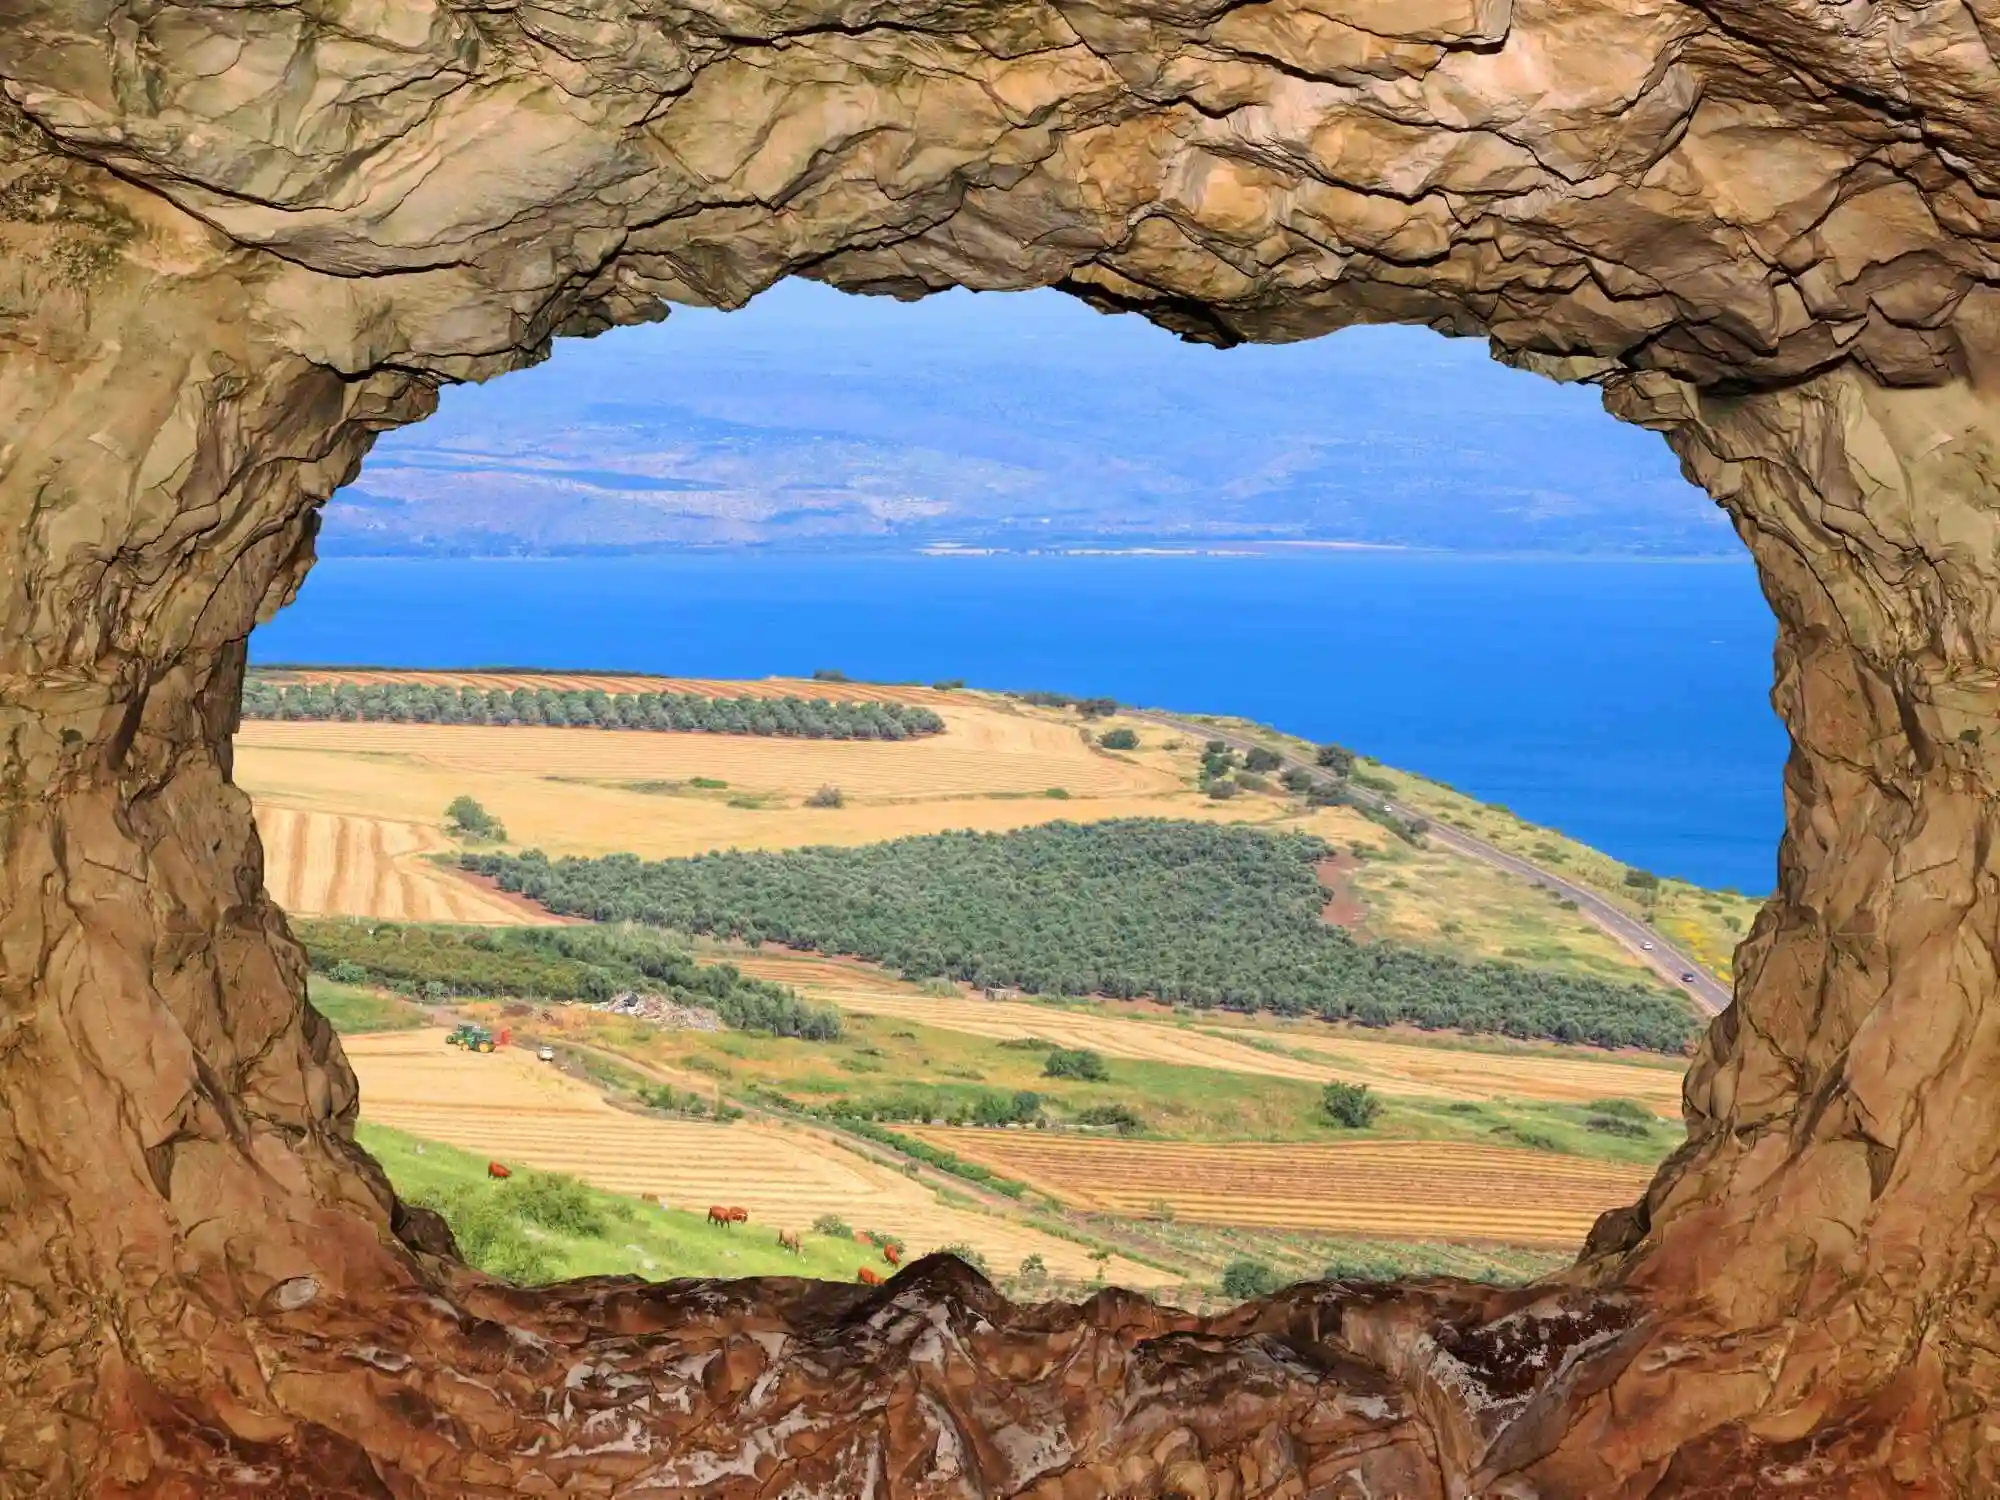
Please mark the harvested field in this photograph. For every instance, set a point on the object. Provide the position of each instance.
(625, 682)
(510, 1108)
(1320, 1054)
(334, 864)
(1395, 1189)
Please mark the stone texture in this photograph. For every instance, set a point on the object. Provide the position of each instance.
(239, 239)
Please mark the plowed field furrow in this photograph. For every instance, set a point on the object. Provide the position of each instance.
(507, 1106)
(1412, 1189)
(329, 864)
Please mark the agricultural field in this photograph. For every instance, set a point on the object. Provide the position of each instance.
(1395, 1189)
(319, 862)
(1304, 1050)
(626, 682)
(507, 1107)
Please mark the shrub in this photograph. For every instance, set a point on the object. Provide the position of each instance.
(1336, 758)
(1260, 759)
(559, 1202)
(1642, 880)
(949, 684)
(1631, 1130)
(707, 783)
(468, 819)
(1033, 1267)
(1057, 793)
(1118, 1116)
(1097, 708)
(1118, 739)
(347, 972)
(1076, 1062)
(1221, 791)
(1352, 1106)
(1297, 779)
(829, 674)
(834, 1225)
(826, 796)
(965, 1253)
(1246, 1280)
(1324, 794)
(1629, 1109)
(1251, 782)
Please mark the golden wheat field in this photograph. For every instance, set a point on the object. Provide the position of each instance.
(1405, 1069)
(590, 791)
(1396, 1189)
(510, 1108)
(333, 864)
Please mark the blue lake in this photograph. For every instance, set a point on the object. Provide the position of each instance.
(1624, 702)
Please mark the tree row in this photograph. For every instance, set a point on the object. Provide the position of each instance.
(441, 703)
(553, 963)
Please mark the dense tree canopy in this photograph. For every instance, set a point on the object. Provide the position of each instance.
(440, 703)
(1186, 912)
(554, 963)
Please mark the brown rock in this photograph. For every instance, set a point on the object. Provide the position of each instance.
(236, 241)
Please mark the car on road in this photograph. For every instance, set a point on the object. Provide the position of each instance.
(547, 1054)
(1647, 946)
(1687, 979)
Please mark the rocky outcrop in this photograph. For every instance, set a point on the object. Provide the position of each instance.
(237, 240)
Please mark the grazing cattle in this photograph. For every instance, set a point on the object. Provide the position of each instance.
(718, 1215)
(738, 1215)
(892, 1255)
(497, 1172)
(864, 1236)
(652, 1198)
(788, 1239)
(868, 1276)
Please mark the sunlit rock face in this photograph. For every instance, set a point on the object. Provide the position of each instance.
(238, 240)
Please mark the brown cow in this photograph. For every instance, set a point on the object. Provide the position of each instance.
(864, 1236)
(788, 1239)
(718, 1215)
(868, 1277)
(738, 1215)
(892, 1254)
(497, 1172)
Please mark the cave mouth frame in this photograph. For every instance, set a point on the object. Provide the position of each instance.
(241, 240)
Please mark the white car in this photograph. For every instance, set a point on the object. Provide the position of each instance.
(547, 1054)
(1647, 946)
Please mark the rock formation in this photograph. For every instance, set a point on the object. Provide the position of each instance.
(239, 239)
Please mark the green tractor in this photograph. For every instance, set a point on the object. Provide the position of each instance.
(471, 1038)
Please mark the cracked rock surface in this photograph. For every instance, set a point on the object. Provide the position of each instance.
(239, 239)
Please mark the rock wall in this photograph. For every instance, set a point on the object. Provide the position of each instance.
(237, 240)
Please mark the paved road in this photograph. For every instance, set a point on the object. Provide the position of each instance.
(1661, 956)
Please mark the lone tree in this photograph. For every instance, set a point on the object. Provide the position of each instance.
(1352, 1106)
(1076, 1062)
(1260, 759)
(1118, 739)
(1246, 1279)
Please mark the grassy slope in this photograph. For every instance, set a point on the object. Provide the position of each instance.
(640, 1239)
(1710, 923)
(352, 1008)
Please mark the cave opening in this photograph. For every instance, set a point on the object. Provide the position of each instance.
(1765, 232)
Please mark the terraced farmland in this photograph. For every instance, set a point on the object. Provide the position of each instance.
(1395, 1189)
(508, 1107)
(335, 864)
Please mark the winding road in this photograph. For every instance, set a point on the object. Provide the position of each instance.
(1642, 941)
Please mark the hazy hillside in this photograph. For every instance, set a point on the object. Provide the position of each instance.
(1012, 421)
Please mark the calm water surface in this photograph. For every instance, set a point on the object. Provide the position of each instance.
(1622, 702)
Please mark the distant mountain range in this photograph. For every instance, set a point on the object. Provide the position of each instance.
(812, 419)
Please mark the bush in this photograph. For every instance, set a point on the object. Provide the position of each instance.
(1033, 1267)
(559, 1202)
(1117, 1116)
(1629, 1109)
(1057, 793)
(1118, 739)
(1631, 1130)
(833, 1225)
(829, 674)
(1246, 1280)
(1076, 1062)
(1250, 781)
(967, 1254)
(1297, 779)
(1352, 1106)
(826, 796)
(347, 972)
(1260, 759)
(949, 684)
(1642, 880)
(1097, 708)
(1335, 758)
(1221, 791)
(468, 819)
